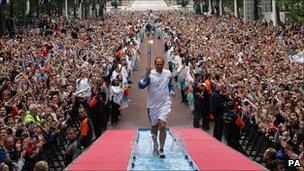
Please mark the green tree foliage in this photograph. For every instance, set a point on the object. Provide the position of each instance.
(54, 7)
(226, 3)
(294, 7)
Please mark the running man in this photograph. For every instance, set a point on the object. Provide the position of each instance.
(159, 88)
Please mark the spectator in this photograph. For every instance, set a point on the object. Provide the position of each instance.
(3, 134)
(277, 165)
(41, 166)
(32, 116)
(9, 144)
(74, 148)
(4, 167)
(218, 108)
(116, 93)
(198, 91)
(269, 156)
(232, 130)
(87, 132)
(97, 107)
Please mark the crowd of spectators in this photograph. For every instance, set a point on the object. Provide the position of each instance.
(237, 73)
(232, 72)
(64, 79)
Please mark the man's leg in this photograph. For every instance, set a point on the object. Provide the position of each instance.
(154, 132)
(162, 135)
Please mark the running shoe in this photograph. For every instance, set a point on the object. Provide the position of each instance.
(161, 154)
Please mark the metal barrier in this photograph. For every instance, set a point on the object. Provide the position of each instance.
(254, 142)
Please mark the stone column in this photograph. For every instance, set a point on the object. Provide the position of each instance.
(97, 10)
(210, 7)
(274, 13)
(66, 8)
(221, 8)
(27, 11)
(80, 10)
(236, 9)
(90, 11)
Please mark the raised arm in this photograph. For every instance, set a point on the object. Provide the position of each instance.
(145, 81)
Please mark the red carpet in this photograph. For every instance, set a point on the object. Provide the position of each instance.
(112, 152)
(210, 154)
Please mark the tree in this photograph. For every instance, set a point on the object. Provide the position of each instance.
(294, 7)
(114, 3)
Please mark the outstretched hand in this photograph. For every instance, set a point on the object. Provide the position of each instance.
(148, 71)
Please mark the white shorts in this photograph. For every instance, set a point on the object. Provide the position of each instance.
(160, 113)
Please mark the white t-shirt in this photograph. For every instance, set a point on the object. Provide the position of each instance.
(124, 73)
(116, 93)
(83, 84)
(170, 55)
(182, 70)
(177, 61)
(158, 89)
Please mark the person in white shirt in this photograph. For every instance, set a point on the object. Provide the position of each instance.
(116, 72)
(159, 88)
(83, 85)
(170, 58)
(116, 94)
(177, 62)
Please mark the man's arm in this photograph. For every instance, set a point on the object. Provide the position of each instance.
(145, 81)
(171, 86)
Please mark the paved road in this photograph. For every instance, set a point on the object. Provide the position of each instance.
(135, 116)
(142, 5)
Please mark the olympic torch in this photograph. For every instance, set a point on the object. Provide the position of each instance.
(149, 54)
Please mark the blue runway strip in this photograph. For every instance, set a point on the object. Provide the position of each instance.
(142, 157)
